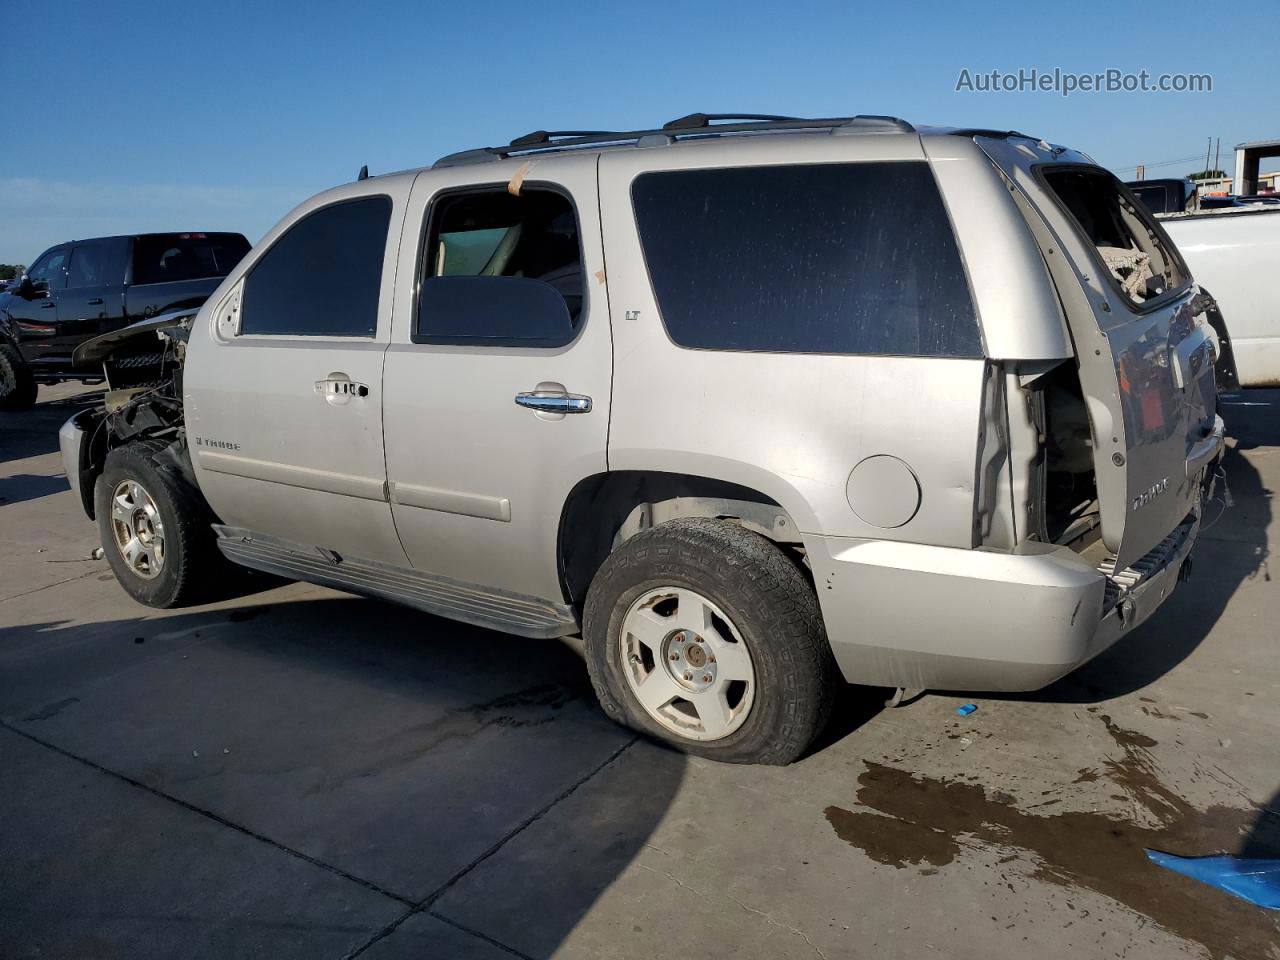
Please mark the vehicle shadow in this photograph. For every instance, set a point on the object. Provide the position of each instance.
(26, 486)
(1263, 840)
(855, 706)
(404, 750)
(34, 432)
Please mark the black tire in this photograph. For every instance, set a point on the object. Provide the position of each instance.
(191, 560)
(17, 386)
(770, 603)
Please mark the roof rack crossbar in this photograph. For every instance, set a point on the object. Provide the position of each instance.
(694, 126)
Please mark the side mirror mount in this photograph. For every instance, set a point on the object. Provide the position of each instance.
(494, 311)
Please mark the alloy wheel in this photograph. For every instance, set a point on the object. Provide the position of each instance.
(687, 664)
(138, 528)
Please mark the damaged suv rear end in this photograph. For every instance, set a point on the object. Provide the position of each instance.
(1098, 442)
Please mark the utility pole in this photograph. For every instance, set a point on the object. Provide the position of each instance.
(1208, 150)
(1217, 153)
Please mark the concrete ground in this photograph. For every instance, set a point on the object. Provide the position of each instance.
(299, 773)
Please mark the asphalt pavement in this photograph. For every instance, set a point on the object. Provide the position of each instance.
(301, 773)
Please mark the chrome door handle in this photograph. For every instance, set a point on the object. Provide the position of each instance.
(338, 389)
(48, 305)
(95, 300)
(555, 402)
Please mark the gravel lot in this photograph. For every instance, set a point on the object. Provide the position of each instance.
(301, 773)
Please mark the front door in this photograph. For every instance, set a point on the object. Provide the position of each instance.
(498, 376)
(33, 310)
(283, 389)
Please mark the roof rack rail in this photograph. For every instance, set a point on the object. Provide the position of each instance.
(692, 126)
(875, 121)
(541, 137)
(698, 120)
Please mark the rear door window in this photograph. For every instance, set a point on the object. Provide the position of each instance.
(855, 258)
(171, 257)
(323, 277)
(89, 264)
(1132, 249)
(496, 235)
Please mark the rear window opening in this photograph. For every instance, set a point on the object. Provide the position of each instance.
(1122, 233)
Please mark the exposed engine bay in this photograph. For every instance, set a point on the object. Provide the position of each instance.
(143, 365)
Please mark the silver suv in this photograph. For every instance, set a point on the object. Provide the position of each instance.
(756, 404)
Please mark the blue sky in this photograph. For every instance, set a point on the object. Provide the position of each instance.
(128, 117)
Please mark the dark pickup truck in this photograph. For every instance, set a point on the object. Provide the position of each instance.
(85, 288)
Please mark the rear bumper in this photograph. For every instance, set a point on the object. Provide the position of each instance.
(916, 616)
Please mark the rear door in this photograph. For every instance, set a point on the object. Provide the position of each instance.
(283, 379)
(1145, 359)
(492, 418)
(93, 301)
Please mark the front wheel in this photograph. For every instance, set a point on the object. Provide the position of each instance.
(705, 635)
(155, 531)
(17, 386)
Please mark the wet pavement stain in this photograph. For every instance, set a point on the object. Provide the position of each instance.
(914, 821)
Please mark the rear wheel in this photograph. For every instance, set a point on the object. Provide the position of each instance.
(17, 385)
(155, 531)
(705, 635)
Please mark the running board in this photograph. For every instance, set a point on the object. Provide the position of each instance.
(469, 603)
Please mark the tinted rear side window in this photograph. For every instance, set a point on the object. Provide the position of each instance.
(97, 263)
(170, 257)
(323, 276)
(820, 258)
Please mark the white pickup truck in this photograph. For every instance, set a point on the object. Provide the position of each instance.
(1234, 253)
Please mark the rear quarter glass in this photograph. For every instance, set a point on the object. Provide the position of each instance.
(851, 258)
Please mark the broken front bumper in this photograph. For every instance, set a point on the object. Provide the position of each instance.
(923, 617)
(74, 439)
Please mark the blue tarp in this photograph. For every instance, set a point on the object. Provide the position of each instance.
(1257, 881)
